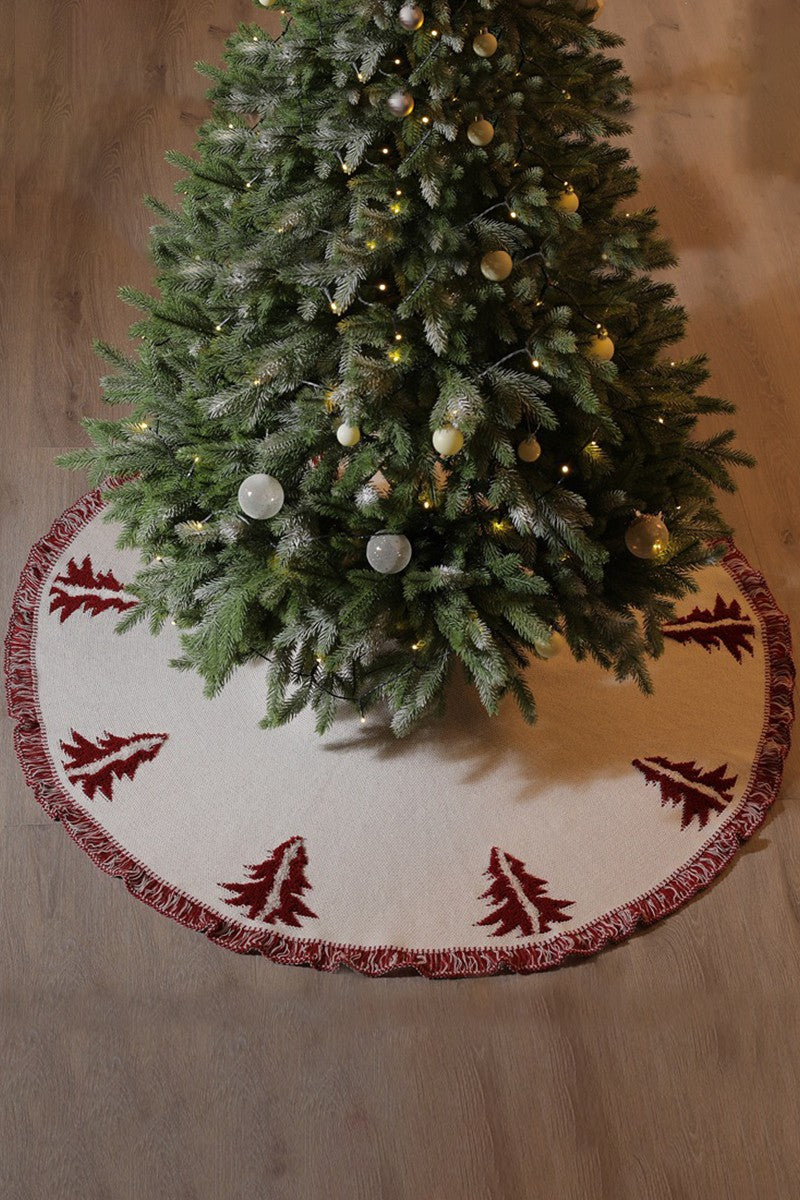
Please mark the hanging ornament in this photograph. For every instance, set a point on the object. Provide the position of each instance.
(348, 435)
(411, 17)
(647, 536)
(601, 348)
(485, 45)
(388, 553)
(497, 265)
(551, 646)
(261, 497)
(530, 450)
(448, 441)
(400, 104)
(480, 133)
(595, 7)
(568, 201)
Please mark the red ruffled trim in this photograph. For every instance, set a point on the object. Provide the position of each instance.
(460, 961)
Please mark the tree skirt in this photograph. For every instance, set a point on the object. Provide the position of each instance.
(475, 846)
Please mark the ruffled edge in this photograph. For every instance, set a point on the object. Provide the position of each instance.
(452, 963)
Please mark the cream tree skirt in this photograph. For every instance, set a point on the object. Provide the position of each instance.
(475, 846)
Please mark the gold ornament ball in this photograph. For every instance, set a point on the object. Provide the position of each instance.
(411, 17)
(497, 265)
(480, 133)
(448, 441)
(530, 450)
(601, 348)
(348, 435)
(647, 537)
(550, 647)
(568, 201)
(485, 45)
(400, 104)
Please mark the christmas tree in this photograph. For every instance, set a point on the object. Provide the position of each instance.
(404, 397)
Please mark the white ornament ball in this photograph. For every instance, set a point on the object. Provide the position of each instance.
(411, 17)
(348, 435)
(400, 104)
(647, 537)
(550, 647)
(530, 451)
(480, 133)
(448, 440)
(261, 497)
(388, 553)
(497, 265)
(485, 45)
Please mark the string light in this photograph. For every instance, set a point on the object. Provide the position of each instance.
(426, 120)
(256, 382)
(513, 215)
(371, 245)
(395, 208)
(661, 420)
(416, 646)
(384, 149)
(394, 356)
(565, 469)
(535, 364)
(434, 33)
(197, 460)
(382, 287)
(398, 337)
(218, 328)
(399, 192)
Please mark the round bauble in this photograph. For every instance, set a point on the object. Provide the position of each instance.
(480, 133)
(261, 497)
(530, 451)
(400, 104)
(497, 265)
(348, 435)
(388, 553)
(411, 17)
(601, 348)
(647, 536)
(448, 441)
(485, 45)
(551, 646)
(568, 201)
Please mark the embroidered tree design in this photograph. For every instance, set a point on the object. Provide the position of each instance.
(83, 588)
(275, 890)
(726, 626)
(520, 900)
(699, 792)
(95, 765)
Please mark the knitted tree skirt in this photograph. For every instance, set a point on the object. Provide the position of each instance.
(475, 846)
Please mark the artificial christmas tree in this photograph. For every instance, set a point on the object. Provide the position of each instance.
(403, 398)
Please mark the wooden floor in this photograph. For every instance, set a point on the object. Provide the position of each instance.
(138, 1060)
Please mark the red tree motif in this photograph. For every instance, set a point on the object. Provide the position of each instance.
(699, 792)
(275, 890)
(84, 588)
(520, 899)
(95, 765)
(727, 626)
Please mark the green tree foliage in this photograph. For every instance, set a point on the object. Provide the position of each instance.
(324, 267)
